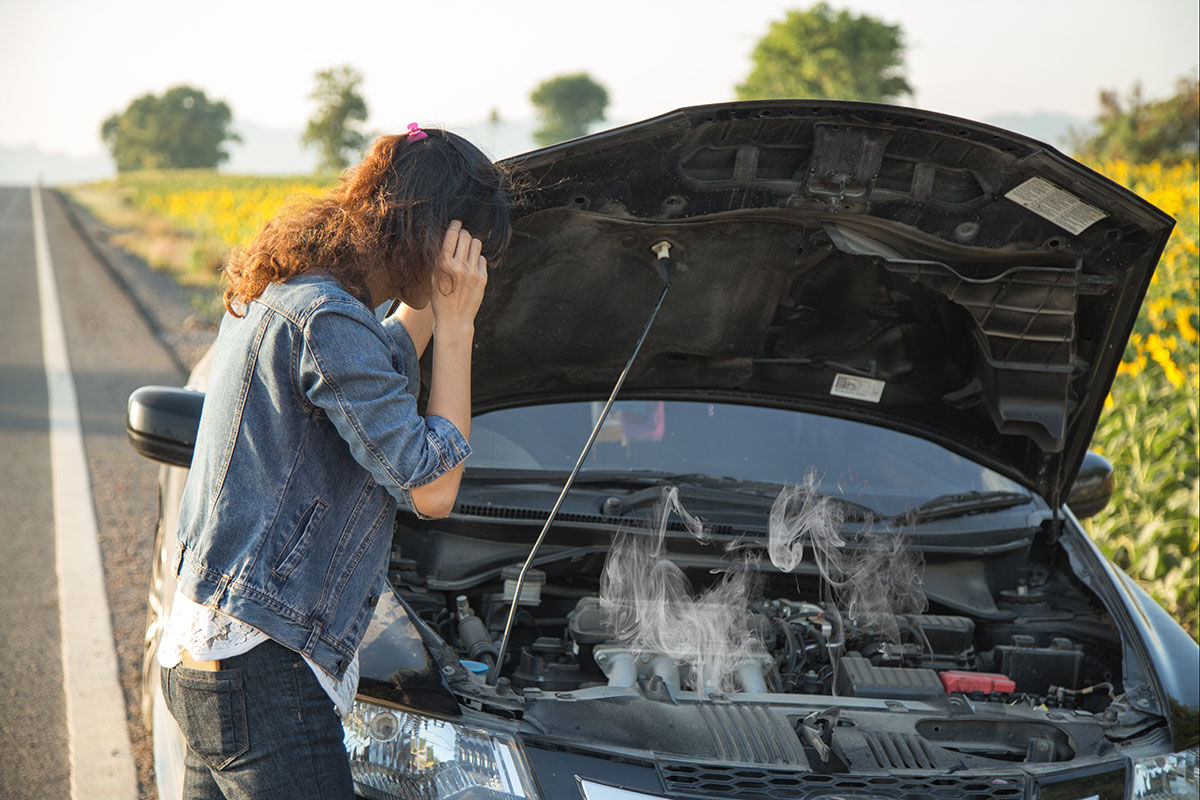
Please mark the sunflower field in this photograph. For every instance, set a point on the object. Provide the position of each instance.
(1149, 430)
(226, 209)
(187, 221)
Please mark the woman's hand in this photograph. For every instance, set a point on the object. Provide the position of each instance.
(460, 279)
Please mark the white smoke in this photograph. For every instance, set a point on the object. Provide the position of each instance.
(871, 580)
(652, 607)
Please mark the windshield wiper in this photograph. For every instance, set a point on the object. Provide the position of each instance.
(761, 493)
(961, 504)
(646, 486)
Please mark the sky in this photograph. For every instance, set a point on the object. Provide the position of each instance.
(67, 64)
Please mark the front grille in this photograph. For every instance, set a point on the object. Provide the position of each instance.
(701, 781)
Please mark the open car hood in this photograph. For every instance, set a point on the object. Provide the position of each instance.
(925, 273)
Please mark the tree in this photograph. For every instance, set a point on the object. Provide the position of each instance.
(1142, 130)
(567, 105)
(181, 129)
(822, 54)
(334, 130)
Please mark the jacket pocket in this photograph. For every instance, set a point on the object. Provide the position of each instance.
(298, 543)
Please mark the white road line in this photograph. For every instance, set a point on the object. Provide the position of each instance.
(101, 758)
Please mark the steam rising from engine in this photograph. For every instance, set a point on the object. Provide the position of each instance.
(871, 582)
(653, 609)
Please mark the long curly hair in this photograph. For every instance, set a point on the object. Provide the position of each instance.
(389, 214)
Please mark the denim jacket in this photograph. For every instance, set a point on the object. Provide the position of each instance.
(308, 438)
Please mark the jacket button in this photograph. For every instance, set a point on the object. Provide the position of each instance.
(341, 665)
(373, 600)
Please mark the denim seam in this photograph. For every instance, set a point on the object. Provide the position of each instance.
(294, 359)
(278, 309)
(435, 439)
(364, 496)
(308, 623)
(368, 444)
(250, 591)
(302, 324)
(363, 546)
(244, 393)
(295, 665)
(270, 524)
(240, 696)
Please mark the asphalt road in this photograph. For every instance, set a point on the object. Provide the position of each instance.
(113, 349)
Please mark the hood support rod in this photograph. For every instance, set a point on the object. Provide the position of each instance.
(662, 251)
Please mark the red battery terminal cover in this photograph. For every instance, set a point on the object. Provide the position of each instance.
(957, 680)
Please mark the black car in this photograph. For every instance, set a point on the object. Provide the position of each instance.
(826, 541)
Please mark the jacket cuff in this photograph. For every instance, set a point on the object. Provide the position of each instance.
(452, 449)
(450, 444)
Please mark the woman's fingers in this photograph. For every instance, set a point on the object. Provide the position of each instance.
(474, 253)
(462, 248)
(450, 240)
(466, 269)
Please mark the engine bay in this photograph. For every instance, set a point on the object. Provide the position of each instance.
(1013, 661)
(564, 642)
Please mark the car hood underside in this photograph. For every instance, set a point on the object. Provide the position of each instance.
(924, 273)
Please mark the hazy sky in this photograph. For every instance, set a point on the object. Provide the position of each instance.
(67, 64)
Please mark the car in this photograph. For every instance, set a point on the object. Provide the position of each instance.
(781, 423)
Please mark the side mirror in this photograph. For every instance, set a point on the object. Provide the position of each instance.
(162, 421)
(1093, 486)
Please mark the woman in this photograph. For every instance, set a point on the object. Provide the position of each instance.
(309, 438)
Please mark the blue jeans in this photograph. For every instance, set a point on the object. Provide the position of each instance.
(260, 727)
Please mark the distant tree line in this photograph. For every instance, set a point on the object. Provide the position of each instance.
(817, 53)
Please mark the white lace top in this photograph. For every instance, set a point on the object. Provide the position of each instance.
(209, 635)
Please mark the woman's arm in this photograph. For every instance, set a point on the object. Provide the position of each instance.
(419, 324)
(453, 314)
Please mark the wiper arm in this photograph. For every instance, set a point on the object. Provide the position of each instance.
(960, 504)
(609, 479)
(760, 493)
(646, 487)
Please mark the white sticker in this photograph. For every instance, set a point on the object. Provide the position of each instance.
(856, 388)
(1060, 207)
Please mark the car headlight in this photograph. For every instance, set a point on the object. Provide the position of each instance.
(395, 755)
(1168, 776)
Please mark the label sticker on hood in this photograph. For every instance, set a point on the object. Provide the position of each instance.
(856, 388)
(1060, 207)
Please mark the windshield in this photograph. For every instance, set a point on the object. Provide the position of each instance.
(886, 471)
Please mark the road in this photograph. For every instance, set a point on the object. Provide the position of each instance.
(112, 349)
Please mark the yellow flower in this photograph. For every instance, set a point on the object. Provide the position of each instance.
(1131, 368)
(1183, 321)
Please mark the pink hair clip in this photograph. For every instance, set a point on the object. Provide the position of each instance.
(415, 134)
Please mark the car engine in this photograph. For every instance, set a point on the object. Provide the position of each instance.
(564, 640)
